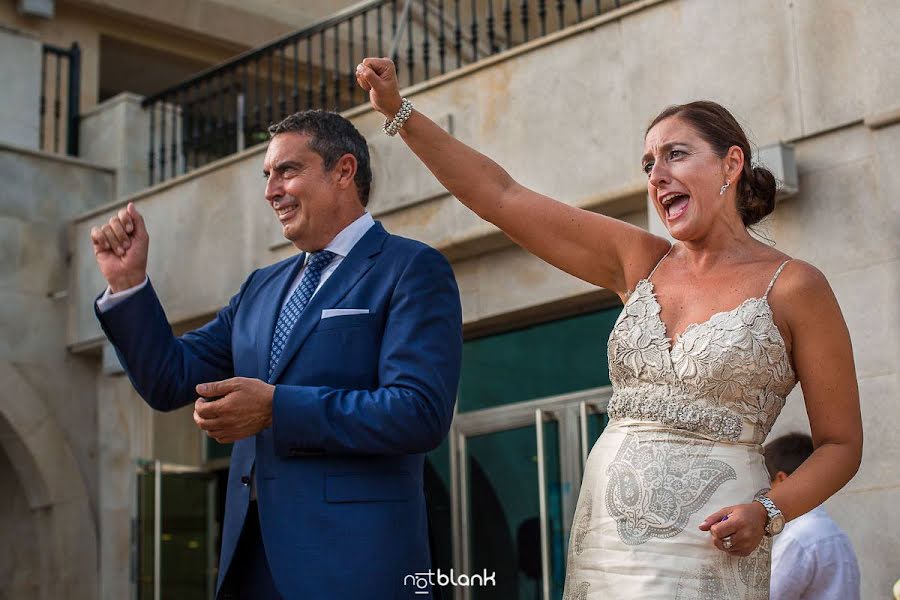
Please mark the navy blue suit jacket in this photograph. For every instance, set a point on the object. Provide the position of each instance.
(358, 401)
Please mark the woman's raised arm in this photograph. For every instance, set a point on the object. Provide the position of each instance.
(598, 249)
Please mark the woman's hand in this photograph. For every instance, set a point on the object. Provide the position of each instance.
(743, 524)
(379, 77)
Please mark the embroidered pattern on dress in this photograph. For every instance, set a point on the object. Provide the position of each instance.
(582, 523)
(579, 593)
(705, 583)
(734, 364)
(718, 578)
(664, 405)
(656, 484)
(754, 570)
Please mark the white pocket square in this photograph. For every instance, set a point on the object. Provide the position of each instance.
(327, 313)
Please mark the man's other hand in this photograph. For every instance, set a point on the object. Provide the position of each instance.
(243, 408)
(120, 247)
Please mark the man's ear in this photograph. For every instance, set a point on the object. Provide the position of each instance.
(345, 171)
(780, 476)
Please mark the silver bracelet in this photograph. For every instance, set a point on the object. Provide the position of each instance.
(392, 126)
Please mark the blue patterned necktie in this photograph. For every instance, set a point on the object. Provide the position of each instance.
(297, 302)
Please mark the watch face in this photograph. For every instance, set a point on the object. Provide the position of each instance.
(776, 524)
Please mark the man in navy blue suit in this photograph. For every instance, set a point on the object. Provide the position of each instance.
(333, 372)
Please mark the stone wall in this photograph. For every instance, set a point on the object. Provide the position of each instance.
(48, 399)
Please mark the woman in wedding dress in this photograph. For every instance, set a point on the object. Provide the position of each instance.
(715, 331)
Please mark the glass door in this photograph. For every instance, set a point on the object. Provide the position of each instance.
(176, 532)
(516, 476)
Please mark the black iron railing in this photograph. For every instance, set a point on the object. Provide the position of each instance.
(60, 92)
(229, 107)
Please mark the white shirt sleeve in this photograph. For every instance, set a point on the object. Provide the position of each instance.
(110, 299)
(792, 570)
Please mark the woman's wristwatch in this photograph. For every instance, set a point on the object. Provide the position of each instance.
(774, 520)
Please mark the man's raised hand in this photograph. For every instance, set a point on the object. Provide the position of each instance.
(379, 77)
(120, 247)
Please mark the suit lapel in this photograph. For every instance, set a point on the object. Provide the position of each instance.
(268, 314)
(344, 278)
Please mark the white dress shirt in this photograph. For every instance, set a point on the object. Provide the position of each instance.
(813, 559)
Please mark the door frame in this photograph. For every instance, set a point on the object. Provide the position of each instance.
(571, 412)
(159, 468)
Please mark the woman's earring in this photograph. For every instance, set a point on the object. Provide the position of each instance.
(724, 187)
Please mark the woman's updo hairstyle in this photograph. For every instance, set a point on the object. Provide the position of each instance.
(719, 128)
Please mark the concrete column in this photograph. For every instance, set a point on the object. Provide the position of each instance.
(20, 72)
(116, 134)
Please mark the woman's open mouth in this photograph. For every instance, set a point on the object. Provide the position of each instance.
(675, 204)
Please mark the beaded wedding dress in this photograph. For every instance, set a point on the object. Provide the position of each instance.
(687, 421)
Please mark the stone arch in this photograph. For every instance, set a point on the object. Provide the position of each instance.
(55, 491)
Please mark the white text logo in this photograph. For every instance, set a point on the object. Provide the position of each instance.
(422, 581)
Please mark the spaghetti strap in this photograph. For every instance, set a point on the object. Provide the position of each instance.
(660, 262)
(774, 277)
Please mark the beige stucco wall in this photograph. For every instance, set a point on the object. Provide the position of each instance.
(566, 116)
(20, 60)
(48, 399)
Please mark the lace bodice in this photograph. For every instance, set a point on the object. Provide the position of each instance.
(726, 378)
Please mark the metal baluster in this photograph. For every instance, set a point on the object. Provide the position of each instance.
(596, 7)
(337, 67)
(43, 105)
(56, 107)
(309, 73)
(222, 124)
(410, 53)
(73, 119)
(457, 38)
(150, 156)
(365, 43)
(474, 29)
(380, 39)
(270, 97)
(395, 54)
(442, 37)
(425, 43)
(282, 100)
(507, 23)
(578, 9)
(523, 16)
(560, 11)
(257, 96)
(198, 124)
(245, 91)
(176, 110)
(492, 45)
(162, 140)
(208, 147)
(232, 89)
(187, 119)
(351, 55)
(296, 93)
(323, 80)
(542, 15)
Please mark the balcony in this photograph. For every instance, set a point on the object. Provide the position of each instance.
(227, 108)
